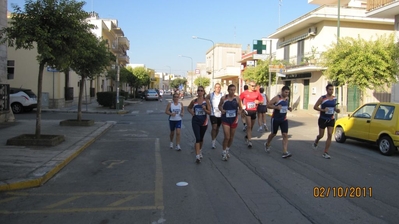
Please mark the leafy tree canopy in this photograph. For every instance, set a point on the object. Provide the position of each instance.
(260, 73)
(202, 81)
(366, 64)
(175, 83)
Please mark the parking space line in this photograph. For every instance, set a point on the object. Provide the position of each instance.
(8, 199)
(63, 202)
(119, 202)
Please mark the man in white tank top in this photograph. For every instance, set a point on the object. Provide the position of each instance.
(216, 115)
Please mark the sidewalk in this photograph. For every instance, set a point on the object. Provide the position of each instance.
(24, 167)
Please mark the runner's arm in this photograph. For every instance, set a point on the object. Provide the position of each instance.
(318, 103)
(167, 110)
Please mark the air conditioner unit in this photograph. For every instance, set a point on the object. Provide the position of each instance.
(312, 30)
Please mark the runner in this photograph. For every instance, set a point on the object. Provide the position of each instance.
(243, 116)
(262, 109)
(175, 111)
(328, 105)
(160, 95)
(215, 116)
(279, 104)
(230, 106)
(250, 99)
(199, 108)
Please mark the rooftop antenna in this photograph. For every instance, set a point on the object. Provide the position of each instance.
(280, 2)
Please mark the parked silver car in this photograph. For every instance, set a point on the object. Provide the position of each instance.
(151, 94)
(22, 100)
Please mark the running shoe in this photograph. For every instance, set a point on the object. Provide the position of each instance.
(265, 127)
(326, 156)
(224, 155)
(228, 153)
(200, 155)
(171, 145)
(213, 144)
(267, 147)
(249, 144)
(244, 129)
(197, 159)
(178, 148)
(286, 155)
(260, 129)
(314, 145)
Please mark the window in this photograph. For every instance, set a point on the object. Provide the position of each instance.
(300, 52)
(287, 53)
(365, 111)
(10, 69)
(384, 112)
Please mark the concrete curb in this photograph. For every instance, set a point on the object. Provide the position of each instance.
(52, 167)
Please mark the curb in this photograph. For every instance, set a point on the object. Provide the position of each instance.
(52, 167)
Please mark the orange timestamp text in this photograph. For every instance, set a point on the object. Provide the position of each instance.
(342, 192)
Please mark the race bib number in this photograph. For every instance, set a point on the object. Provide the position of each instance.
(330, 110)
(199, 111)
(251, 105)
(176, 111)
(230, 113)
(284, 109)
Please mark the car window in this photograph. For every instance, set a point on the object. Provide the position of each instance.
(365, 112)
(385, 112)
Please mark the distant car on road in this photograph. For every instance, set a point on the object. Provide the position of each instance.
(22, 100)
(372, 122)
(151, 94)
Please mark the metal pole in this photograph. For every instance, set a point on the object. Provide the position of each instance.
(338, 34)
(270, 74)
(213, 56)
(191, 69)
(53, 90)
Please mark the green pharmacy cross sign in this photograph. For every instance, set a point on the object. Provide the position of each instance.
(259, 46)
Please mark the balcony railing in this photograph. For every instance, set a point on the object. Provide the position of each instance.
(374, 4)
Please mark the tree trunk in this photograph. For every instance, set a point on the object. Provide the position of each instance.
(81, 88)
(39, 99)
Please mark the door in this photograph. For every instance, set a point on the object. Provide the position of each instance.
(353, 98)
(305, 94)
(359, 122)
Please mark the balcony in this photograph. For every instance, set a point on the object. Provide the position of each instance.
(382, 8)
(124, 43)
(123, 59)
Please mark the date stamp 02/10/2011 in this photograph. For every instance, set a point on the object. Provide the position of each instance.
(342, 192)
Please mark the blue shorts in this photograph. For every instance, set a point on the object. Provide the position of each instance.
(174, 125)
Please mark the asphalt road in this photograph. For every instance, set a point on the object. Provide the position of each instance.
(129, 175)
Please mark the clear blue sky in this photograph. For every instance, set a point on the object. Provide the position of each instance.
(160, 30)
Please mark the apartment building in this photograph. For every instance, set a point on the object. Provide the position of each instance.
(388, 9)
(222, 65)
(308, 36)
(58, 89)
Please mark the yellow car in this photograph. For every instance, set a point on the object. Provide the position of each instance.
(374, 122)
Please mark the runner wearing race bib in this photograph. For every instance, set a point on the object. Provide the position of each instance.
(230, 106)
(175, 111)
(199, 108)
(279, 104)
(326, 104)
(215, 116)
(250, 100)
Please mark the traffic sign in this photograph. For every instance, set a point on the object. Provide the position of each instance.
(51, 69)
(197, 71)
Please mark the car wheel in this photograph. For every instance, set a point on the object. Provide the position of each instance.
(386, 145)
(339, 135)
(17, 108)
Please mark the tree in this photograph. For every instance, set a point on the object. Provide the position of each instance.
(175, 83)
(91, 59)
(366, 64)
(202, 81)
(52, 27)
(259, 74)
(141, 74)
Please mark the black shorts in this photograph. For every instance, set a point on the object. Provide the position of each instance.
(251, 113)
(283, 124)
(215, 120)
(262, 109)
(323, 123)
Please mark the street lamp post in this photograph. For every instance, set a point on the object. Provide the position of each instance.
(117, 74)
(213, 57)
(191, 87)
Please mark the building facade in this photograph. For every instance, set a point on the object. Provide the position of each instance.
(301, 42)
